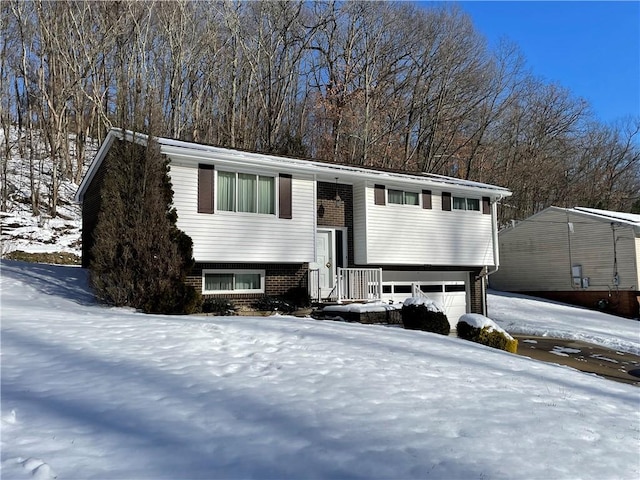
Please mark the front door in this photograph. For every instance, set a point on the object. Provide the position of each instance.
(325, 260)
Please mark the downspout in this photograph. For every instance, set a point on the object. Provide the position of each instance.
(496, 257)
(317, 293)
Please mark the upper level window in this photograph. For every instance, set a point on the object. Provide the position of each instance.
(403, 198)
(242, 192)
(460, 203)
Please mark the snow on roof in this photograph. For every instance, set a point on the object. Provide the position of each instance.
(199, 152)
(609, 215)
(603, 215)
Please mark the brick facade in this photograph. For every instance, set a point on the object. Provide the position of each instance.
(279, 278)
(331, 214)
(477, 294)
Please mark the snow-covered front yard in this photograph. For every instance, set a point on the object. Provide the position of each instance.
(93, 392)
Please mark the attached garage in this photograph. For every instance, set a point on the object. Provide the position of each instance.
(449, 289)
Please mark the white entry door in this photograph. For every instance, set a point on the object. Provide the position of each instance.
(326, 264)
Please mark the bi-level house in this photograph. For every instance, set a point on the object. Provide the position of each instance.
(262, 224)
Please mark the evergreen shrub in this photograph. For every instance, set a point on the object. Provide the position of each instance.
(273, 304)
(421, 317)
(297, 296)
(218, 306)
(139, 257)
(487, 336)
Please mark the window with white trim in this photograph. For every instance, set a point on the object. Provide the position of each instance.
(244, 192)
(400, 197)
(233, 281)
(461, 203)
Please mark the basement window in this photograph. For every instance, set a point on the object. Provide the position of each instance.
(233, 281)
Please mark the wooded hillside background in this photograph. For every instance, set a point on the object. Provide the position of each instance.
(379, 84)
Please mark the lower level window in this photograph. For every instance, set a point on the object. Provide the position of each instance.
(233, 281)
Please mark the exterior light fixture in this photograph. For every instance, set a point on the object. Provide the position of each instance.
(337, 199)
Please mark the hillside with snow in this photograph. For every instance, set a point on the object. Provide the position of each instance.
(90, 392)
(21, 230)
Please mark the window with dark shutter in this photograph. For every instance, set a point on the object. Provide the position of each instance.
(284, 196)
(446, 201)
(426, 199)
(205, 188)
(378, 196)
(486, 205)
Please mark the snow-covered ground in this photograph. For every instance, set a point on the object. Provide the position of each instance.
(522, 315)
(93, 392)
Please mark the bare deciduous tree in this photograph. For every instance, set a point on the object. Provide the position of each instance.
(383, 84)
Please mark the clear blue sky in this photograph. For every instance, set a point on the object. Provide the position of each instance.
(591, 48)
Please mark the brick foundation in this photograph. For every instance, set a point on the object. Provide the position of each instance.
(279, 278)
(477, 295)
(623, 303)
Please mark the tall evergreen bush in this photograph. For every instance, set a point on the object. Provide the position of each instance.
(140, 258)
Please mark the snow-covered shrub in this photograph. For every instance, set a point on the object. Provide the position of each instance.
(424, 314)
(480, 329)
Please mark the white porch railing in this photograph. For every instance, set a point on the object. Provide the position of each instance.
(351, 285)
(359, 284)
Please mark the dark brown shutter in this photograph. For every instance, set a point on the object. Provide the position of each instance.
(426, 198)
(378, 196)
(446, 201)
(205, 188)
(284, 196)
(486, 205)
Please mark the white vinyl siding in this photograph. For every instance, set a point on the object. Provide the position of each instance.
(232, 237)
(538, 254)
(359, 223)
(398, 235)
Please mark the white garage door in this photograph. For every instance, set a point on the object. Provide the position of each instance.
(448, 291)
